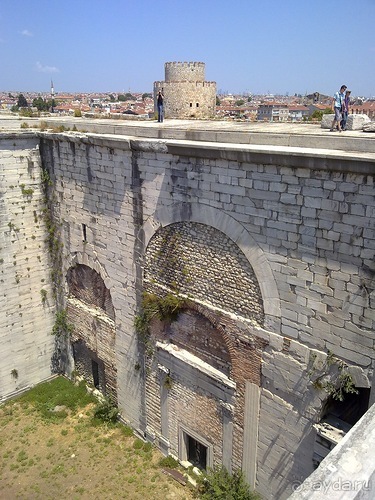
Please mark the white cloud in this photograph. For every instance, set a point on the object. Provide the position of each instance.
(26, 33)
(46, 69)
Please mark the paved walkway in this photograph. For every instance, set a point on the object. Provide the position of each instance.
(304, 135)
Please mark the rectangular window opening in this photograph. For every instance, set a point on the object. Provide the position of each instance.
(95, 373)
(191, 104)
(196, 452)
(84, 233)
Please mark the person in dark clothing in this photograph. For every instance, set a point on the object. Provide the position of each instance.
(345, 110)
(160, 103)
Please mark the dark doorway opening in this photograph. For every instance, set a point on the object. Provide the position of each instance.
(351, 409)
(196, 453)
(338, 417)
(95, 373)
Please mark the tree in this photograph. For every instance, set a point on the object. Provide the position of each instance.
(21, 101)
(318, 114)
(240, 102)
(127, 97)
(40, 104)
(218, 102)
(146, 95)
(43, 105)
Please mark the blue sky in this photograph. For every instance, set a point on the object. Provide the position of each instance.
(257, 46)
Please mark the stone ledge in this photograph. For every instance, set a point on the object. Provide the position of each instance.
(325, 159)
(196, 363)
(348, 471)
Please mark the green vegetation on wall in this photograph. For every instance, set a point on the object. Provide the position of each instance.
(335, 380)
(62, 328)
(165, 309)
(53, 239)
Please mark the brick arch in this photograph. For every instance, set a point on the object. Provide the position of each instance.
(204, 214)
(215, 321)
(220, 349)
(241, 359)
(90, 311)
(79, 258)
(203, 263)
(86, 285)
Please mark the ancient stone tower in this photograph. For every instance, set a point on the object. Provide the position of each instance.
(186, 93)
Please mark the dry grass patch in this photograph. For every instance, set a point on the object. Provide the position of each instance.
(52, 447)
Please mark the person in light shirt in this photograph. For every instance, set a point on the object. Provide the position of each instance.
(338, 99)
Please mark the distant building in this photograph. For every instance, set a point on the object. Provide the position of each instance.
(367, 108)
(186, 93)
(298, 113)
(273, 112)
(246, 112)
(317, 107)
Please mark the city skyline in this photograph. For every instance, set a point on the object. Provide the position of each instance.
(257, 47)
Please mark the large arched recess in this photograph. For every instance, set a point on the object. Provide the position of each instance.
(204, 214)
(90, 311)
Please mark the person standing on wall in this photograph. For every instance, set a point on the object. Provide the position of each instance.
(337, 102)
(345, 110)
(160, 103)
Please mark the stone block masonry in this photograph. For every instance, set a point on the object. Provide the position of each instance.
(273, 250)
(27, 306)
(186, 93)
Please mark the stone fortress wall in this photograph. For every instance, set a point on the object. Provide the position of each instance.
(186, 93)
(275, 253)
(27, 311)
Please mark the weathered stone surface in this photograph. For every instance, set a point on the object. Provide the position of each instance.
(327, 121)
(27, 308)
(369, 127)
(357, 122)
(296, 221)
(348, 471)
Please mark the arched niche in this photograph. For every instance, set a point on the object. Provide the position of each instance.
(90, 311)
(218, 219)
(203, 263)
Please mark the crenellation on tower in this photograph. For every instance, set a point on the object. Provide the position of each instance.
(184, 71)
